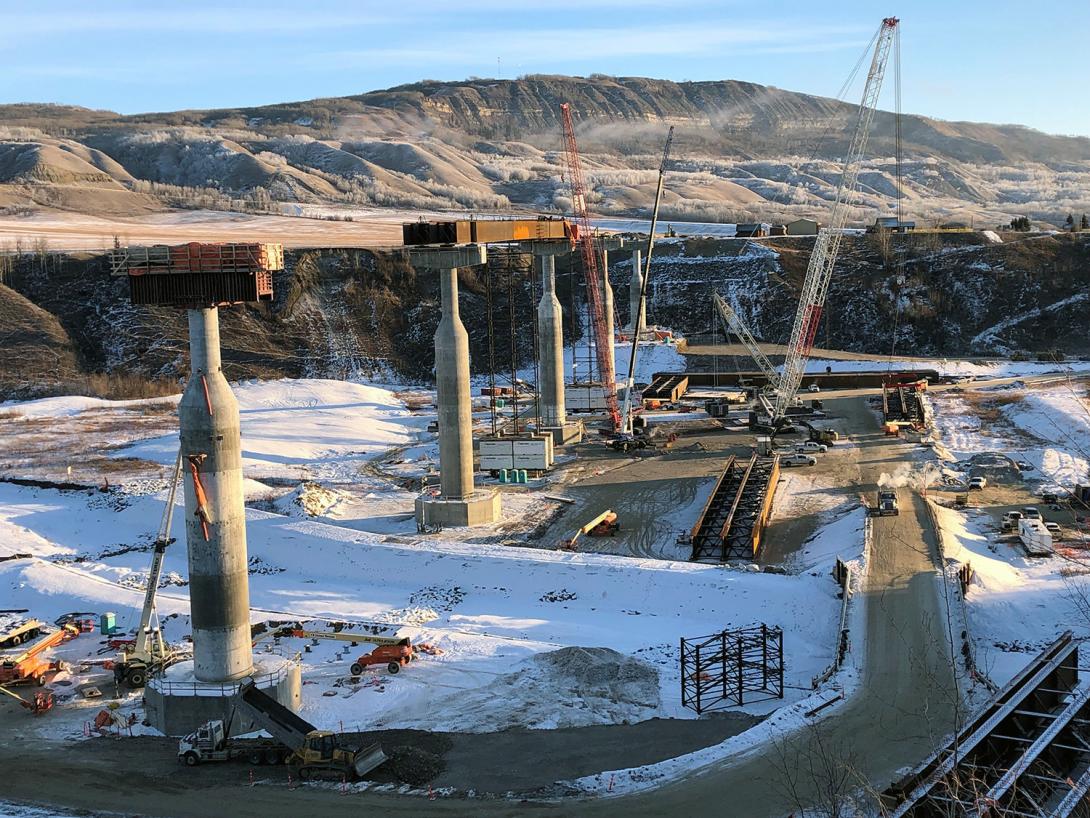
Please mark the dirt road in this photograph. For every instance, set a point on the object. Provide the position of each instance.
(908, 699)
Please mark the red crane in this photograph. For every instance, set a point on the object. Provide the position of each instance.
(591, 275)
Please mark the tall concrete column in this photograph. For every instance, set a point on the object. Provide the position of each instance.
(550, 330)
(637, 306)
(457, 503)
(607, 299)
(452, 386)
(219, 585)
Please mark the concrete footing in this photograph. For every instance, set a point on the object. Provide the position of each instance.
(177, 704)
(482, 506)
(565, 434)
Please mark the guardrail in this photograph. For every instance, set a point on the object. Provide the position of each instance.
(171, 687)
(844, 574)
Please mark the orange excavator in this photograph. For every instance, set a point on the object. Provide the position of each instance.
(30, 665)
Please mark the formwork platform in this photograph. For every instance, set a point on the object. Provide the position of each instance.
(735, 515)
(484, 231)
(198, 275)
(1027, 753)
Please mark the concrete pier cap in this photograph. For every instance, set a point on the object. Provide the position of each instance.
(459, 502)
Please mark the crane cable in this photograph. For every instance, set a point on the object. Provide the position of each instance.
(897, 157)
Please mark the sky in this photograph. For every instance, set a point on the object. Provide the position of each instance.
(978, 60)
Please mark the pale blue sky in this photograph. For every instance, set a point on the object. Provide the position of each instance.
(985, 60)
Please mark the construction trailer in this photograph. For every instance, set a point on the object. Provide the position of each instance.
(533, 452)
(1036, 539)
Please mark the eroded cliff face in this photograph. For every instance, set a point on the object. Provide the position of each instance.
(363, 314)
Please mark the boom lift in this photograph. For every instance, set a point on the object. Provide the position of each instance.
(584, 235)
(827, 246)
(42, 701)
(605, 524)
(30, 665)
(393, 651)
(148, 652)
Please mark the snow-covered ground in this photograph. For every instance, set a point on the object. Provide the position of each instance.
(497, 613)
(1017, 604)
(1047, 426)
(945, 366)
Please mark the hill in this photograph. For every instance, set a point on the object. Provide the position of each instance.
(742, 152)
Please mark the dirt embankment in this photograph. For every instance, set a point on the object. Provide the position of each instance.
(345, 313)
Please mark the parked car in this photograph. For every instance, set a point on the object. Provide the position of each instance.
(811, 446)
(1054, 530)
(1010, 520)
(815, 388)
(798, 459)
(1031, 513)
(1023, 465)
(977, 483)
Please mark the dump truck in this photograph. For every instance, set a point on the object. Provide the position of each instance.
(315, 753)
(887, 503)
(212, 741)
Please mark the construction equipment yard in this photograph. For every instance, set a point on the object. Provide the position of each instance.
(590, 569)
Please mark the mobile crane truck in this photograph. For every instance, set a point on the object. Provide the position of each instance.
(315, 753)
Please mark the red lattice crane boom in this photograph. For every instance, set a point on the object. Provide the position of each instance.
(591, 274)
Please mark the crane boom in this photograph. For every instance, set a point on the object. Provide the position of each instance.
(820, 269)
(591, 275)
(162, 540)
(732, 322)
(637, 321)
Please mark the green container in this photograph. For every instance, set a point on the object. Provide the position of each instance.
(500, 403)
(522, 475)
(503, 475)
(107, 623)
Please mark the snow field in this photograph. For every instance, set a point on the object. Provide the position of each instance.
(488, 607)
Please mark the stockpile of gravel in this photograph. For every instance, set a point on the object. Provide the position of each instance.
(569, 687)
